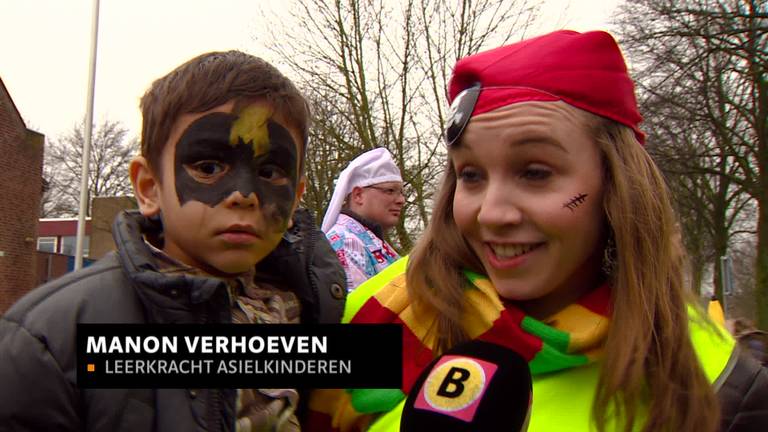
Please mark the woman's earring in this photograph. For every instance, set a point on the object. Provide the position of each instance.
(609, 256)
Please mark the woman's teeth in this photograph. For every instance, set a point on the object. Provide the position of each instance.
(511, 251)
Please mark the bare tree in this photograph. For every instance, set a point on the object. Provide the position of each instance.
(111, 151)
(741, 302)
(701, 68)
(376, 72)
(711, 207)
(332, 145)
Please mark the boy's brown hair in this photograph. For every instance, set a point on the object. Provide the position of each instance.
(210, 80)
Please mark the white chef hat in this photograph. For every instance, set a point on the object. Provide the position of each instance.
(370, 168)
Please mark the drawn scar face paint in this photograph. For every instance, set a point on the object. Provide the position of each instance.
(221, 153)
(575, 202)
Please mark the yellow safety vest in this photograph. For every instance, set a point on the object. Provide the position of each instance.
(563, 400)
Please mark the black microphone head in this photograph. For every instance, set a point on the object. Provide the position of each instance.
(476, 386)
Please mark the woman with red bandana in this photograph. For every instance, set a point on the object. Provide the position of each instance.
(553, 234)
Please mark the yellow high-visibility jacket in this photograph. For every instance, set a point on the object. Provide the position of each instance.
(563, 400)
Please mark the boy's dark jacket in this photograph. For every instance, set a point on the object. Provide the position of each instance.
(37, 335)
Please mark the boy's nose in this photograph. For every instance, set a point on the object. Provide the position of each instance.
(244, 187)
(498, 208)
(237, 200)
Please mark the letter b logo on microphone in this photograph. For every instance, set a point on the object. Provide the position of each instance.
(456, 377)
(475, 386)
(455, 386)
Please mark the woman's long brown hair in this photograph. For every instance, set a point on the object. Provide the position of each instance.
(649, 358)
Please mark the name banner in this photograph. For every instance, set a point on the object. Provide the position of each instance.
(239, 356)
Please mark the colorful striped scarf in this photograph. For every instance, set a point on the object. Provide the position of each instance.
(572, 337)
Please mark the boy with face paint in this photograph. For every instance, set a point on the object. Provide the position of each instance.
(231, 185)
(217, 238)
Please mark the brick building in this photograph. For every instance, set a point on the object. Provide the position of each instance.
(59, 235)
(21, 183)
(56, 238)
(56, 247)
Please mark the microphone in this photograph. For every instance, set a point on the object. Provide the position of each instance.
(475, 386)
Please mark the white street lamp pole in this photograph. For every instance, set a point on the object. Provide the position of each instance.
(84, 198)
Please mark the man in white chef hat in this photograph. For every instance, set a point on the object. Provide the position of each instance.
(366, 203)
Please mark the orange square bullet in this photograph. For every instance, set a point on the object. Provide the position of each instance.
(91, 367)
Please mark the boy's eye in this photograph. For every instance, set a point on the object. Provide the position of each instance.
(207, 170)
(272, 173)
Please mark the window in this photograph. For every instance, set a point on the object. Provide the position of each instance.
(69, 243)
(46, 244)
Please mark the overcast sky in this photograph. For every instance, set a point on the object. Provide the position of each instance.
(44, 55)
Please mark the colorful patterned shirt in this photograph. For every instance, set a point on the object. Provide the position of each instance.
(360, 251)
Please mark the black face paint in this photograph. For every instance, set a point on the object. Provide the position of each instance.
(255, 155)
(575, 202)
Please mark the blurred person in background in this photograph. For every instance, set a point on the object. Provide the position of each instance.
(366, 203)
